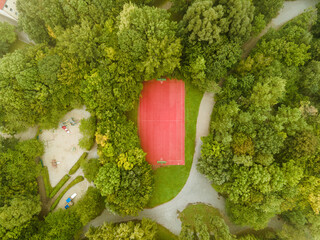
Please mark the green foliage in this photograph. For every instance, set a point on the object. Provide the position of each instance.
(316, 26)
(47, 184)
(16, 216)
(59, 225)
(76, 166)
(18, 168)
(258, 24)
(127, 191)
(60, 184)
(44, 20)
(209, 20)
(8, 37)
(19, 201)
(148, 36)
(310, 81)
(90, 168)
(70, 185)
(263, 146)
(146, 229)
(30, 81)
(288, 52)
(89, 206)
(88, 129)
(269, 8)
(200, 221)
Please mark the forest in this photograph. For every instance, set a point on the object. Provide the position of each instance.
(262, 154)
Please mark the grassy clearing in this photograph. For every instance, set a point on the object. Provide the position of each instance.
(165, 234)
(76, 166)
(59, 185)
(171, 179)
(47, 184)
(74, 182)
(18, 45)
(206, 211)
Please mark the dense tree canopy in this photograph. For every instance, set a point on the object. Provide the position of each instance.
(19, 200)
(263, 149)
(7, 37)
(264, 135)
(146, 229)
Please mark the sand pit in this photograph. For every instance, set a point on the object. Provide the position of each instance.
(62, 146)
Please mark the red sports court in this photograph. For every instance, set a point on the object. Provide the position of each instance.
(162, 122)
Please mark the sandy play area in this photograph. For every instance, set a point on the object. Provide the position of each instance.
(62, 146)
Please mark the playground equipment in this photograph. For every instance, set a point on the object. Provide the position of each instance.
(54, 163)
(66, 129)
(70, 121)
(69, 201)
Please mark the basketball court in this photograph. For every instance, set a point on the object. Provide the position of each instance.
(161, 121)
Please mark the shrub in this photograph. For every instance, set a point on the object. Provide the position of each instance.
(59, 185)
(76, 166)
(90, 168)
(47, 184)
(74, 182)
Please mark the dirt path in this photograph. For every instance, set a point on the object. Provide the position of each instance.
(45, 202)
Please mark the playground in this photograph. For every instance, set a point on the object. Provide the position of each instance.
(161, 122)
(62, 152)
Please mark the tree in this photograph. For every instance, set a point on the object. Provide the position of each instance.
(210, 21)
(59, 225)
(31, 22)
(126, 185)
(16, 216)
(148, 35)
(8, 36)
(310, 81)
(269, 8)
(19, 200)
(89, 206)
(29, 78)
(90, 168)
(88, 129)
(146, 229)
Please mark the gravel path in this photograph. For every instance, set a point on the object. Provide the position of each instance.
(290, 10)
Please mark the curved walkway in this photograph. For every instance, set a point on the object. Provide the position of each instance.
(290, 10)
(197, 187)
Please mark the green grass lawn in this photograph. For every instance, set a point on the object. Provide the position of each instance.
(17, 45)
(170, 180)
(165, 234)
